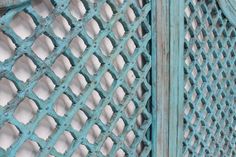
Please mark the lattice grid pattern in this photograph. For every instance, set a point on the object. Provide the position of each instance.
(210, 81)
(96, 68)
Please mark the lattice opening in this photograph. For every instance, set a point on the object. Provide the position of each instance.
(120, 153)
(119, 63)
(106, 46)
(107, 146)
(46, 127)
(24, 68)
(106, 114)
(130, 138)
(77, 46)
(8, 135)
(7, 91)
(7, 47)
(106, 12)
(44, 88)
(61, 26)
(62, 105)
(106, 81)
(28, 149)
(92, 28)
(43, 46)
(82, 151)
(78, 84)
(42, 7)
(61, 66)
(63, 142)
(93, 100)
(79, 120)
(118, 29)
(93, 65)
(23, 25)
(26, 111)
(119, 128)
(77, 9)
(93, 134)
(119, 95)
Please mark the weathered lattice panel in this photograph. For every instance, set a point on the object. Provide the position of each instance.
(210, 81)
(75, 78)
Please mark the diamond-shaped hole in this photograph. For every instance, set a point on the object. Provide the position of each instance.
(93, 134)
(62, 105)
(44, 88)
(81, 152)
(141, 3)
(130, 78)
(107, 146)
(42, 7)
(93, 65)
(64, 142)
(106, 12)
(7, 91)
(42, 46)
(118, 29)
(129, 110)
(24, 68)
(130, 15)
(46, 127)
(130, 45)
(7, 47)
(77, 46)
(140, 148)
(60, 26)
(93, 100)
(8, 135)
(142, 30)
(106, 81)
(78, 84)
(25, 111)
(141, 90)
(61, 66)
(106, 46)
(118, 95)
(28, 149)
(79, 120)
(120, 125)
(92, 28)
(119, 63)
(130, 138)
(120, 153)
(106, 114)
(141, 61)
(140, 120)
(77, 9)
(23, 25)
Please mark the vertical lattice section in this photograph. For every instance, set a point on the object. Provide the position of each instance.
(210, 81)
(74, 78)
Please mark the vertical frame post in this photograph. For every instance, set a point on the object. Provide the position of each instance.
(170, 78)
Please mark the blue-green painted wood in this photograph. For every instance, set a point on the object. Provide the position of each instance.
(209, 78)
(145, 106)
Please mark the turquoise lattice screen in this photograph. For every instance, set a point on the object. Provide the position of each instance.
(210, 84)
(75, 78)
